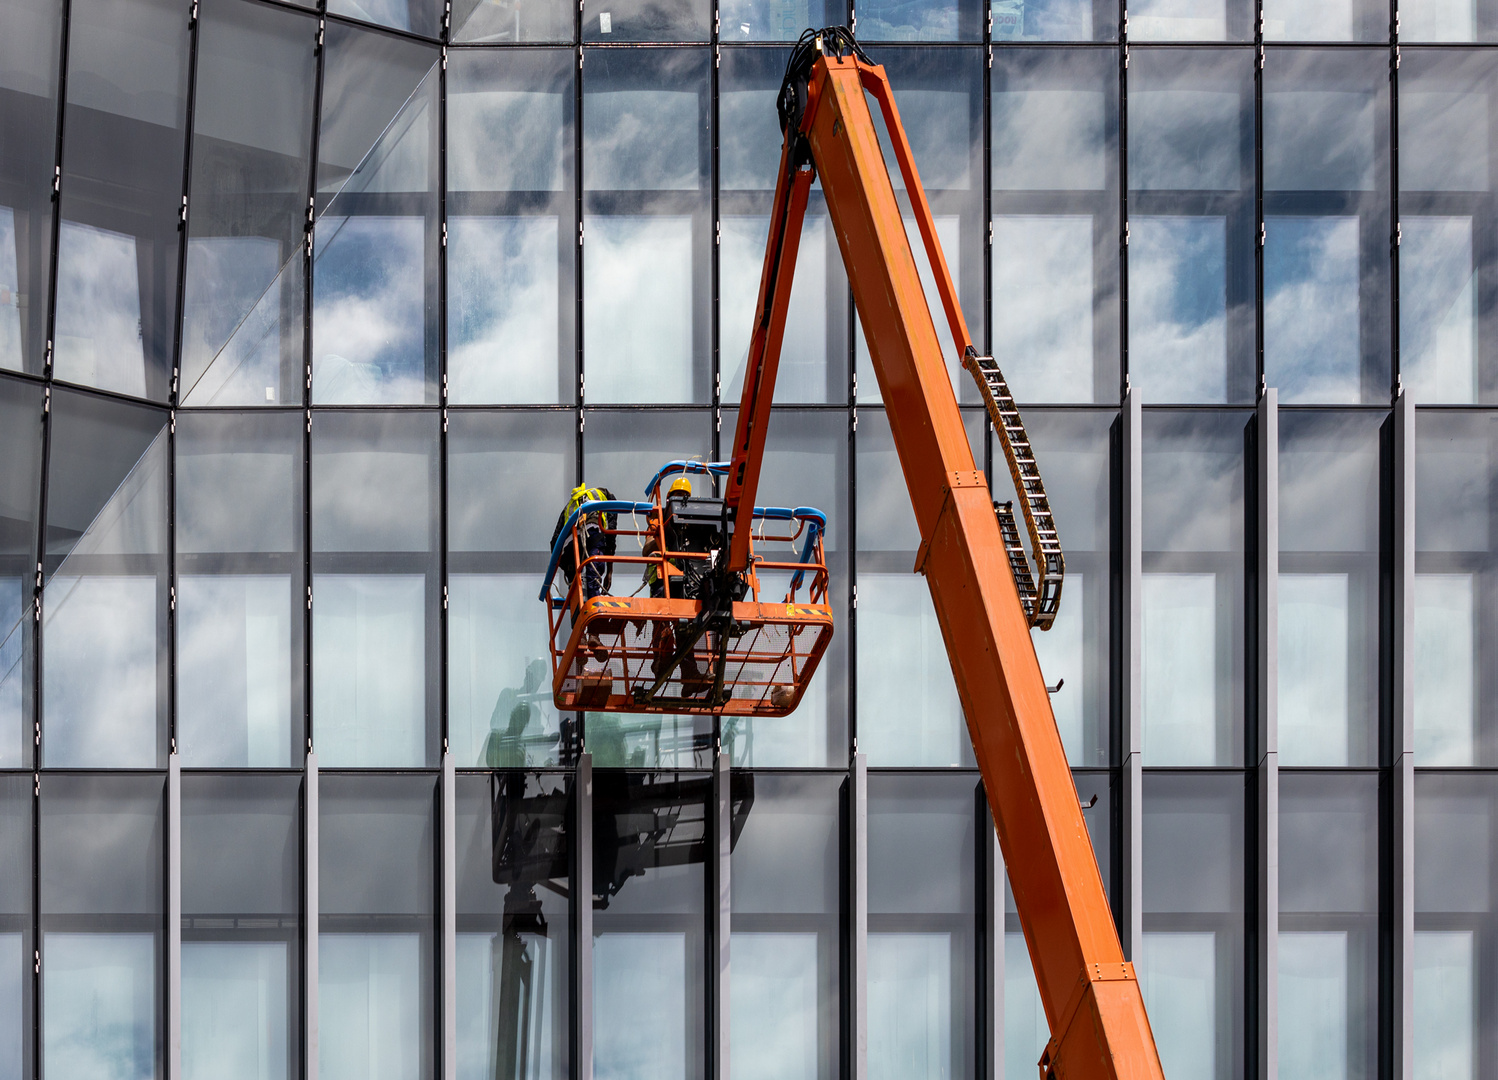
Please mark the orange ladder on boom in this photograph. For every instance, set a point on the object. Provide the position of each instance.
(1092, 999)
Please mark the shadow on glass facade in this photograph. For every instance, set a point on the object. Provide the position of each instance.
(310, 316)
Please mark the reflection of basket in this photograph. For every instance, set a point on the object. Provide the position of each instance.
(685, 648)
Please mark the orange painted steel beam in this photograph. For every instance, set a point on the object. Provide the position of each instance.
(1092, 1000)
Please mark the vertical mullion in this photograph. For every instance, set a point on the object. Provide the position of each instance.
(719, 915)
(442, 628)
(1123, 199)
(1403, 755)
(1394, 379)
(1267, 827)
(310, 926)
(449, 938)
(307, 305)
(1131, 738)
(581, 845)
(858, 896)
(174, 918)
(1259, 197)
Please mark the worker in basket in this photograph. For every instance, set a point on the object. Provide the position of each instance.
(596, 538)
(684, 583)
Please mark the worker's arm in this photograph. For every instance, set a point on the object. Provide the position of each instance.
(1092, 1000)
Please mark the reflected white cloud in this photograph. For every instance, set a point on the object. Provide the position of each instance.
(1043, 282)
(1312, 339)
(1178, 20)
(803, 354)
(910, 1017)
(228, 279)
(750, 138)
(1446, 672)
(506, 140)
(10, 293)
(503, 306)
(1294, 20)
(1320, 140)
(369, 659)
(1178, 977)
(1180, 669)
(890, 20)
(1438, 310)
(1443, 139)
(1438, 20)
(1314, 632)
(1315, 1002)
(368, 317)
(1178, 308)
(641, 140)
(773, 1028)
(234, 670)
(369, 1006)
(99, 671)
(1049, 140)
(640, 1006)
(637, 323)
(98, 318)
(99, 1005)
(1184, 140)
(1446, 1024)
(234, 1017)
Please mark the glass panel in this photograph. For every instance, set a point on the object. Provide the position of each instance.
(512, 912)
(1191, 20)
(922, 927)
(813, 356)
(785, 938)
(511, 256)
(28, 112)
(121, 195)
(20, 490)
(908, 712)
(805, 463)
(1192, 969)
(649, 892)
(1326, 212)
(775, 20)
(104, 609)
(646, 257)
(1454, 589)
(1055, 207)
(1440, 20)
(247, 197)
(376, 927)
(648, 20)
(241, 931)
(1326, 20)
(374, 570)
(102, 873)
(499, 708)
(374, 313)
(1194, 537)
(511, 20)
(939, 93)
(1073, 449)
(239, 588)
(941, 20)
(1445, 314)
(423, 17)
(1191, 222)
(622, 455)
(1454, 1015)
(1328, 959)
(1053, 20)
(1328, 588)
(17, 1015)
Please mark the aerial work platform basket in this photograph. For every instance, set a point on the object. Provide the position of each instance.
(685, 636)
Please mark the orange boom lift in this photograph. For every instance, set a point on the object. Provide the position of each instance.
(743, 654)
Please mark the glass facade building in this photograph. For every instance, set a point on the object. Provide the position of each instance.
(312, 312)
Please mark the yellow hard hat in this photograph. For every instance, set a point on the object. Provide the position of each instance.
(681, 483)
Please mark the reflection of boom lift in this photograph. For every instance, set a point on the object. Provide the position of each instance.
(985, 595)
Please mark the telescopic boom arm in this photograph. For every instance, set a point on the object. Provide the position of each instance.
(1099, 1030)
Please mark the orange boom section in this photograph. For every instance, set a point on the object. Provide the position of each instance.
(1099, 1030)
